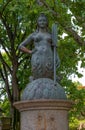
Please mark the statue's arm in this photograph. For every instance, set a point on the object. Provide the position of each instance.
(22, 46)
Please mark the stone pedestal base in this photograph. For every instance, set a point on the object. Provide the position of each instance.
(44, 114)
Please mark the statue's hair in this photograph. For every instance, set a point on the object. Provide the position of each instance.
(43, 15)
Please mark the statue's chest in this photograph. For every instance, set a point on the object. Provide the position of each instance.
(42, 37)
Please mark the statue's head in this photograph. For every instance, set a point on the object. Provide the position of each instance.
(42, 21)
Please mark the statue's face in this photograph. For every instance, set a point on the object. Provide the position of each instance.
(42, 22)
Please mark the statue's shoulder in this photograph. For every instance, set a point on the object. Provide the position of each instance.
(34, 33)
(31, 36)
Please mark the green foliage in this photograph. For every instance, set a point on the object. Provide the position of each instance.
(18, 20)
(77, 96)
(5, 105)
(74, 123)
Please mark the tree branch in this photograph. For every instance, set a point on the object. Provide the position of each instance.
(70, 31)
(5, 64)
(2, 43)
(76, 37)
(6, 5)
(5, 78)
(47, 6)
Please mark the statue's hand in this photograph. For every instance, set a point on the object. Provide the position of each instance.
(30, 52)
(34, 50)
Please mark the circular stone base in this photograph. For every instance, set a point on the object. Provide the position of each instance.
(44, 114)
(43, 88)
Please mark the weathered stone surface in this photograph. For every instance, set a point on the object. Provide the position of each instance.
(44, 114)
(43, 88)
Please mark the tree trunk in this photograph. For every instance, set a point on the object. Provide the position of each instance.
(15, 124)
(15, 94)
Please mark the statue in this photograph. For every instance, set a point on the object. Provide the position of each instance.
(42, 60)
(43, 104)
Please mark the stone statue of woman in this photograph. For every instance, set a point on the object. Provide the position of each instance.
(42, 54)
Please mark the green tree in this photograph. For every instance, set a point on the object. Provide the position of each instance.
(18, 20)
(13, 26)
(77, 115)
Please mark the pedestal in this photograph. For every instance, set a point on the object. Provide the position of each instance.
(44, 114)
